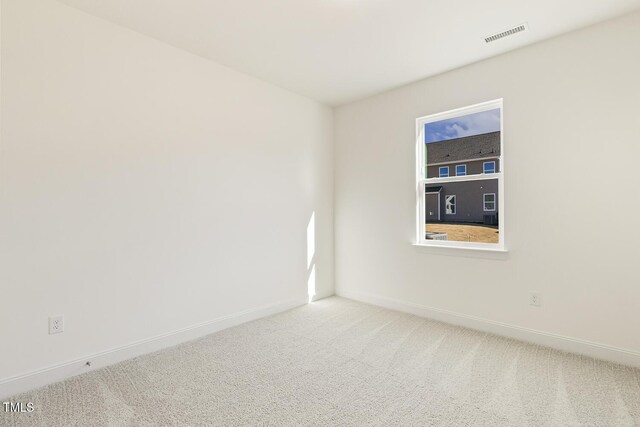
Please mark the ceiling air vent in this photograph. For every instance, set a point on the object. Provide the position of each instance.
(506, 33)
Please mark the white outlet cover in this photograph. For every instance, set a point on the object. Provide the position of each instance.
(535, 299)
(56, 325)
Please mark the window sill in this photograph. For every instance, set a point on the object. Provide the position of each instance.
(459, 250)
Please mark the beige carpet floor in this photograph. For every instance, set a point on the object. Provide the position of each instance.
(337, 362)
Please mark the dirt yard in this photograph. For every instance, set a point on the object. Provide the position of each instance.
(466, 233)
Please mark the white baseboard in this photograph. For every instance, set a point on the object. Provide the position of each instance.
(41, 377)
(560, 342)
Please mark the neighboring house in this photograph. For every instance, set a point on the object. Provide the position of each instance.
(465, 201)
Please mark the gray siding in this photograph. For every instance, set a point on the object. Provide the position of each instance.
(469, 200)
(431, 207)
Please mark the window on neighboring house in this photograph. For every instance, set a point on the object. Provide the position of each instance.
(464, 139)
(489, 167)
(450, 205)
(489, 202)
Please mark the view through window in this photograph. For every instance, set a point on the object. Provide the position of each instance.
(460, 177)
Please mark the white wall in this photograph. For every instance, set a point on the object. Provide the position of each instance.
(144, 189)
(572, 146)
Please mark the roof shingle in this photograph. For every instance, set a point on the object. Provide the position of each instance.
(465, 148)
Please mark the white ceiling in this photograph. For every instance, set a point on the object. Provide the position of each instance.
(337, 51)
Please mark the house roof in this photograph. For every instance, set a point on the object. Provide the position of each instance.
(432, 189)
(465, 148)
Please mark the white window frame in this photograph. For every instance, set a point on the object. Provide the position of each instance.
(465, 170)
(454, 204)
(486, 163)
(484, 202)
(440, 172)
(422, 181)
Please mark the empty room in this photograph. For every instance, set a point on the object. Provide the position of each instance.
(319, 213)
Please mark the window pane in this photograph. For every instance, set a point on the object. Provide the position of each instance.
(489, 167)
(472, 138)
(450, 205)
(468, 211)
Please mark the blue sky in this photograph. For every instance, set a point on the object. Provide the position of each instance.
(469, 125)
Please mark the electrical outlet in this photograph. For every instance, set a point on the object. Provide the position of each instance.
(56, 325)
(535, 299)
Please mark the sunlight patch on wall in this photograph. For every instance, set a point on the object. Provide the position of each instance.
(311, 239)
(311, 251)
(311, 284)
